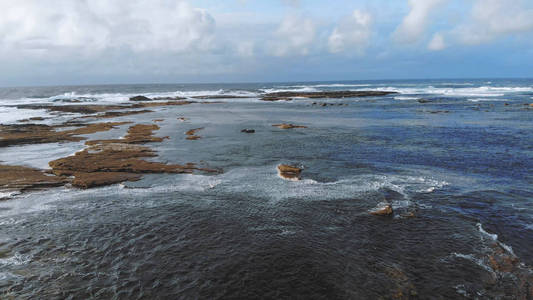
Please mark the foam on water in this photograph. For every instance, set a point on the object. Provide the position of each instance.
(494, 237)
(304, 89)
(10, 114)
(266, 184)
(482, 91)
(477, 261)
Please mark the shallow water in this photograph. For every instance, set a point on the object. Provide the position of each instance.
(464, 174)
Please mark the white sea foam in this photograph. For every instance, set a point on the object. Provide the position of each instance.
(483, 91)
(304, 89)
(11, 114)
(405, 98)
(494, 237)
(15, 260)
(477, 261)
(264, 182)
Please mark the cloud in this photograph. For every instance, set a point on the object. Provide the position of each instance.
(96, 25)
(437, 42)
(352, 34)
(415, 24)
(294, 36)
(490, 19)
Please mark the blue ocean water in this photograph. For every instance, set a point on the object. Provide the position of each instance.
(453, 157)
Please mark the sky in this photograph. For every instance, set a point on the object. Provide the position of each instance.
(60, 42)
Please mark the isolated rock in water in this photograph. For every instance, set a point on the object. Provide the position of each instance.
(531, 105)
(140, 98)
(248, 131)
(288, 126)
(289, 172)
(182, 119)
(191, 134)
(383, 209)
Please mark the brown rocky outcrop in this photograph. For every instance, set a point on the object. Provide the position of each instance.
(191, 134)
(137, 134)
(112, 161)
(38, 134)
(18, 178)
(288, 126)
(288, 172)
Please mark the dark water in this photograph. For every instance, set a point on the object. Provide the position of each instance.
(460, 164)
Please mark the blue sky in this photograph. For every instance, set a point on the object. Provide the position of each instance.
(166, 41)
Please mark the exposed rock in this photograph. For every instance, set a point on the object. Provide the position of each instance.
(531, 105)
(18, 178)
(275, 98)
(155, 104)
(140, 98)
(191, 134)
(38, 134)
(170, 98)
(248, 131)
(90, 180)
(158, 120)
(383, 209)
(36, 119)
(137, 134)
(105, 164)
(81, 109)
(220, 97)
(288, 126)
(289, 172)
(117, 114)
(182, 119)
(318, 95)
(421, 100)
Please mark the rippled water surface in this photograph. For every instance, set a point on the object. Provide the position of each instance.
(456, 169)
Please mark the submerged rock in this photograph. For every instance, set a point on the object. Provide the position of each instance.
(288, 126)
(422, 100)
(383, 209)
(288, 172)
(140, 98)
(191, 134)
(248, 131)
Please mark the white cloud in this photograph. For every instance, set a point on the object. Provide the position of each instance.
(490, 19)
(352, 34)
(294, 36)
(88, 26)
(437, 42)
(415, 24)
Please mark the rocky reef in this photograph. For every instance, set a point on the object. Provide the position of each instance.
(321, 95)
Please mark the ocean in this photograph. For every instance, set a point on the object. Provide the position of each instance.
(452, 157)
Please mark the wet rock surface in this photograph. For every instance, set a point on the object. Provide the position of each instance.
(38, 134)
(140, 98)
(248, 130)
(289, 172)
(288, 126)
(318, 95)
(19, 179)
(107, 162)
(383, 209)
(191, 134)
